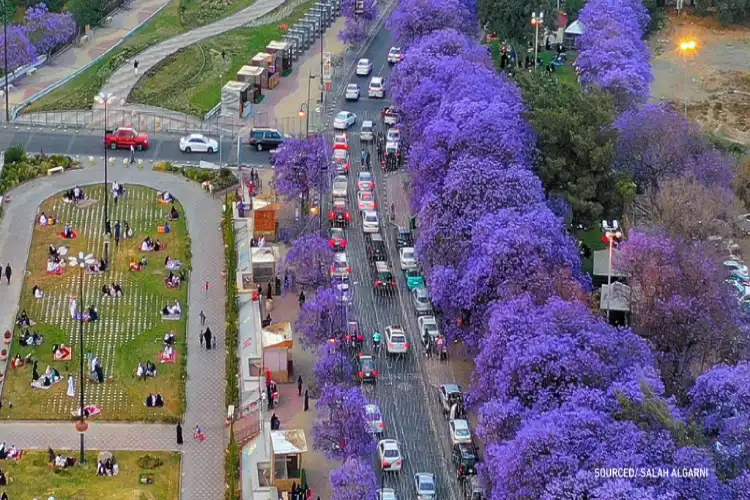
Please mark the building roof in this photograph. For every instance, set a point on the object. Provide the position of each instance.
(288, 442)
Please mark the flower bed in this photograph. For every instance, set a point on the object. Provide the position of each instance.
(21, 167)
(220, 179)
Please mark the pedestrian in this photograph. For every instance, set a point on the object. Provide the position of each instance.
(8, 272)
(179, 433)
(301, 298)
(260, 292)
(132, 154)
(201, 336)
(454, 410)
(299, 385)
(207, 335)
(114, 197)
(107, 227)
(269, 291)
(202, 316)
(135, 67)
(118, 229)
(277, 282)
(269, 395)
(206, 289)
(307, 400)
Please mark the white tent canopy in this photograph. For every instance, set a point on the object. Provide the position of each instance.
(575, 28)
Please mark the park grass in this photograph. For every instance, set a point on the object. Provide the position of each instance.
(176, 18)
(33, 477)
(122, 395)
(189, 81)
(593, 239)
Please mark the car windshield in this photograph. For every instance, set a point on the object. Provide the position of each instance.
(374, 414)
(364, 62)
(408, 254)
(426, 486)
(430, 327)
(462, 432)
(352, 86)
(367, 196)
(339, 154)
(337, 233)
(391, 453)
(422, 298)
(365, 176)
(371, 218)
(368, 365)
(398, 339)
(342, 116)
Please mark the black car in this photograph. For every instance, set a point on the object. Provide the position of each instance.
(403, 237)
(265, 138)
(339, 214)
(376, 247)
(383, 283)
(465, 457)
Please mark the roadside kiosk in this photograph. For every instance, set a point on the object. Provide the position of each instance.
(271, 63)
(284, 50)
(254, 76)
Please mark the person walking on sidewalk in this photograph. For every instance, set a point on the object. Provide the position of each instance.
(132, 154)
(118, 231)
(8, 272)
(135, 67)
(307, 400)
(207, 336)
(179, 433)
(202, 316)
(299, 385)
(301, 298)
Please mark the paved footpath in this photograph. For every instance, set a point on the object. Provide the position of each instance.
(202, 463)
(101, 39)
(123, 80)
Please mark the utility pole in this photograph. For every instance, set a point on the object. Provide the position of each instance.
(536, 22)
(5, 49)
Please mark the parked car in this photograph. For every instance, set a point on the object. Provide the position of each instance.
(340, 187)
(465, 458)
(376, 248)
(428, 324)
(365, 181)
(340, 141)
(366, 201)
(420, 297)
(124, 137)
(265, 138)
(340, 267)
(370, 222)
(337, 239)
(374, 419)
(448, 395)
(344, 119)
(198, 143)
(414, 279)
(386, 494)
(406, 258)
(364, 67)
(341, 161)
(460, 432)
(339, 214)
(403, 237)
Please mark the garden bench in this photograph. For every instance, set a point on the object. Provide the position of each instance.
(55, 170)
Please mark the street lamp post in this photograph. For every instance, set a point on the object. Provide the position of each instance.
(536, 22)
(81, 261)
(105, 99)
(304, 112)
(613, 234)
(687, 47)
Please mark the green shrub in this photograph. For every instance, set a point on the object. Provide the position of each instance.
(148, 462)
(15, 154)
(25, 167)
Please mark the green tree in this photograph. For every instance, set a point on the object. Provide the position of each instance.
(86, 11)
(511, 19)
(576, 145)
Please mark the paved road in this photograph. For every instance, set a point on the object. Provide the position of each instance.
(407, 390)
(205, 369)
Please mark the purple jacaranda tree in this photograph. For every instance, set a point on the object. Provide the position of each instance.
(341, 430)
(20, 49)
(413, 19)
(299, 165)
(354, 480)
(680, 304)
(47, 30)
(354, 32)
(359, 9)
(321, 319)
(308, 261)
(333, 365)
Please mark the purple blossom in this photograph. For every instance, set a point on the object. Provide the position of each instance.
(413, 19)
(354, 480)
(47, 30)
(298, 166)
(349, 9)
(354, 32)
(20, 49)
(308, 261)
(332, 366)
(321, 319)
(341, 430)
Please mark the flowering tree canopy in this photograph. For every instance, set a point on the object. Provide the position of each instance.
(341, 430)
(333, 366)
(367, 9)
(308, 261)
(354, 32)
(321, 318)
(47, 30)
(358, 14)
(413, 19)
(354, 480)
(298, 166)
(20, 49)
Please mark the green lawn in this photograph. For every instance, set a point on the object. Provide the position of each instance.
(130, 329)
(178, 17)
(33, 477)
(190, 80)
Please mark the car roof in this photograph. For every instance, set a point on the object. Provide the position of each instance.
(369, 213)
(376, 237)
(422, 292)
(364, 174)
(407, 249)
(451, 388)
(364, 59)
(339, 204)
(372, 407)
(363, 194)
(340, 153)
(460, 423)
(389, 443)
(340, 256)
(382, 266)
(341, 178)
(197, 136)
(425, 476)
(376, 79)
(367, 123)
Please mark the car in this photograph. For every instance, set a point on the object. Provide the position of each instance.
(265, 138)
(424, 484)
(393, 137)
(340, 267)
(376, 87)
(343, 290)
(406, 258)
(344, 119)
(391, 116)
(374, 418)
(736, 268)
(341, 161)
(352, 92)
(460, 432)
(395, 340)
(198, 143)
(386, 494)
(365, 181)
(428, 324)
(340, 141)
(450, 394)
(389, 453)
(125, 137)
(384, 283)
(414, 279)
(394, 55)
(376, 248)
(366, 369)
(339, 214)
(465, 458)
(364, 67)
(366, 201)
(367, 131)
(420, 297)
(337, 239)
(403, 237)
(340, 187)
(370, 222)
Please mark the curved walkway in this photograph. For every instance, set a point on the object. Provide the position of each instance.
(123, 80)
(202, 463)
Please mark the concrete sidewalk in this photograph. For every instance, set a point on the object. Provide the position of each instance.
(124, 20)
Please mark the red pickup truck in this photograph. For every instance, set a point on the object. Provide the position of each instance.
(124, 137)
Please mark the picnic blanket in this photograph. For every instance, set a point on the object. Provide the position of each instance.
(38, 384)
(163, 358)
(93, 411)
(171, 317)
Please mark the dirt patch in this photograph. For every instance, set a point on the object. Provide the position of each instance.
(718, 74)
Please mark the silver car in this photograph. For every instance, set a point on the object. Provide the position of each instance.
(420, 297)
(374, 419)
(340, 267)
(340, 186)
(424, 483)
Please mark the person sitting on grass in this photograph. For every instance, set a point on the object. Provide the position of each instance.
(172, 310)
(166, 197)
(168, 353)
(23, 319)
(172, 264)
(147, 245)
(43, 220)
(30, 339)
(106, 290)
(54, 265)
(53, 252)
(173, 213)
(68, 232)
(138, 266)
(116, 290)
(3, 478)
(169, 338)
(93, 314)
(172, 281)
(150, 369)
(154, 401)
(38, 292)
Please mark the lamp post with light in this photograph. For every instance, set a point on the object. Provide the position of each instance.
(614, 235)
(81, 261)
(304, 112)
(105, 99)
(687, 47)
(536, 22)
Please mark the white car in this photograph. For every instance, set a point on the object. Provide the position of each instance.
(395, 340)
(374, 419)
(365, 182)
(370, 222)
(393, 135)
(340, 187)
(367, 132)
(394, 55)
(366, 201)
(390, 456)
(364, 67)
(340, 141)
(407, 259)
(198, 143)
(736, 267)
(428, 324)
(340, 267)
(344, 120)
(386, 494)
(352, 92)
(376, 87)
(460, 432)
(424, 483)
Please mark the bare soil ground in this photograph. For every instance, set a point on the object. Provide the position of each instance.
(718, 87)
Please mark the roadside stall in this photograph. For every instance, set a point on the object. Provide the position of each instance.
(271, 63)
(235, 99)
(255, 76)
(277, 351)
(284, 50)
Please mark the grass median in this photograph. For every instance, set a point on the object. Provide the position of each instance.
(190, 80)
(178, 17)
